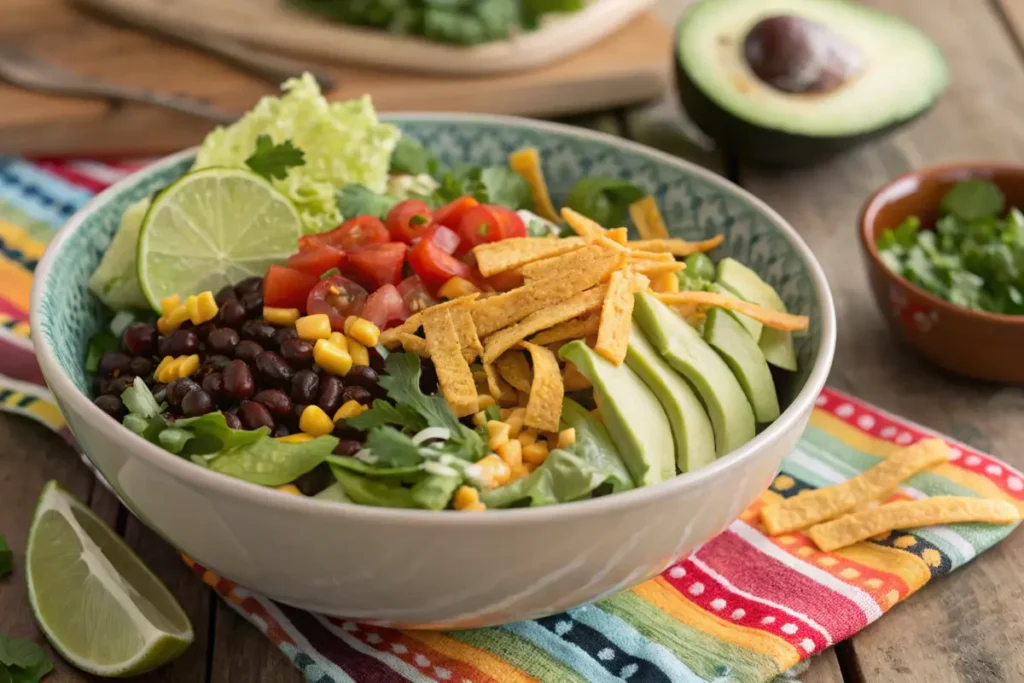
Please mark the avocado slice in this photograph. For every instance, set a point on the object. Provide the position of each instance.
(753, 327)
(732, 417)
(777, 345)
(695, 439)
(789, 82)
(634, 418)
(727, 336)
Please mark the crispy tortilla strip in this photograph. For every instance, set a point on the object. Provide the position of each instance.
(620, 235)
(774, 319)
(389, 338)
(515, 369)
(581, 225)
(616, 320)
(569, 274)
(453, 373)
(677, 247)
(468, 339)
(526, 162)
(578, 259)
(655, 268)
(503, 392)
(574, 380)
(641, 256)
(876, 483)
(647, 219)
(860, 526)
(501, 341)
(497, 257)
(577, 328)
(544, 407)
(413, 344)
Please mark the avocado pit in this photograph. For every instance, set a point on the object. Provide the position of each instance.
(800, 56)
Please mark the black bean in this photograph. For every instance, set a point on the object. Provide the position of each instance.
(247, 351)
(197, 402)
(232, 314)
(347, 447)
(254, 415)
(205, 329)
(232, 420)
(298, 352)
(226, 294)
(178, 389)
(363, 375)
(280, 430)
(100, 385)
(114, 363)
(276, 401)
(283, 334)
(180, 343)
(377, 361)
(159, 391)
(274, 369)
(238, 381)
(140, 366)
(345, 433)
(111, 405)
(305, 387)
(252, 303)
(259, 332)
(330, 394)
(216, 362)
(357, 394)
(249, 284)
(213, 384)
(297, 410)
(316, 480)
(139, 339)
(117, 386)
(222, 340)
(428, 379)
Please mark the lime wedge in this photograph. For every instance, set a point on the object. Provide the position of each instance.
(212, 228)
(95, 600)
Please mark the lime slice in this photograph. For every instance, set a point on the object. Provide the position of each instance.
(95, 600)
(212, 228)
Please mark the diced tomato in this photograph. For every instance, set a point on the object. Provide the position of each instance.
(408, 220)
(434, 266)
(503, 282)
(447, 240)
(312, 242)
(378, 264)
(287, 287)
(385, 307)
(317, 261)
(450, 215)
(478, 225)
(511, 224)
(356, 233)
(338, 297)
(415, 294)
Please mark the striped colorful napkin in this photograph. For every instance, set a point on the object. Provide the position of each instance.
(744, 608)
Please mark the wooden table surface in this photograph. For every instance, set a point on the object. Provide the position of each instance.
(965, 628)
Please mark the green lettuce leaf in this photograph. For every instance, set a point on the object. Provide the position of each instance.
(269, 462)
(594, 446)
(365, 491)
(562, 477)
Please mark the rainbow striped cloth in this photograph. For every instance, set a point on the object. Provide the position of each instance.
(744, 608)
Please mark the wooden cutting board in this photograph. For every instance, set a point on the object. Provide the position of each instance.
(632, 65)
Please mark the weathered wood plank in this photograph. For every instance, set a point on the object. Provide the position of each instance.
(241, 654)
(824, 669)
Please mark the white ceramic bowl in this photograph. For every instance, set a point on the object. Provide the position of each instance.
(415, 568)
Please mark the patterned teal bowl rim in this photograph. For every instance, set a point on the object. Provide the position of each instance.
(823, 326)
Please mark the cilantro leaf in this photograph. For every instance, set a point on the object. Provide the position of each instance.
(23, 660)
(356, 200)
(366, 491)
(393, 448)
(6, 558)
(411, 157)
(273, 160)
(359, 467)
(604, 200)
(505, 187)
(973, 199)
(402, 382)
(383, 413)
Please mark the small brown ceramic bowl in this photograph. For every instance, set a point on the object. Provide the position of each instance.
(983, 346)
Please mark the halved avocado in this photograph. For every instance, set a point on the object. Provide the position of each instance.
(776, 345)
(788, 82)
(732, 417)
(695, 439)
(727, 336)
(634, 418)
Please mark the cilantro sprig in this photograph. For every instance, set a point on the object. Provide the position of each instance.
(22, 661)
(273, 160)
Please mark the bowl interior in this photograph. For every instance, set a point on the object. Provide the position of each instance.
(696, 205)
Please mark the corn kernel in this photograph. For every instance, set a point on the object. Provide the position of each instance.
(290, 489)
(192, 306)
(295, 438)
(485, 401)
(167, 370)
(164, 362)
(281, 316)
(527, 437)
(505, 412)
(515, 422)
(519, 471)
(476, 507)
(363, 331)
(188, 365)
(566, 438)
(535, 453)
(664, 283)
(464, 497)
(511, 453)
(331, 358)
(173, 320)
(349, 409)
(359, 353)
(339, 340)
(456, 287)
(315, 421)
(479, 419)
(493, 471)
(201, 308)
(313, 327)
(169, 303)
(497, 434)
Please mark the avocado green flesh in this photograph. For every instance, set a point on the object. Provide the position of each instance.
(727, 336)
(776, 345)
(691, 427)
(732, 417)
(753, 327)
(634, 418)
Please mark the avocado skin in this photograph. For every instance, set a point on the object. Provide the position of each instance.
(765, 146)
